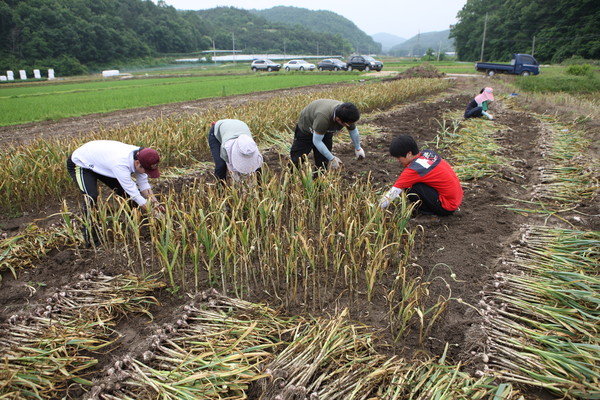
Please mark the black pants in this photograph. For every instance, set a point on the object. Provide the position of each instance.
(474, 112)
(215, 150)
(303, 145)
(430, 199)
(87, 182)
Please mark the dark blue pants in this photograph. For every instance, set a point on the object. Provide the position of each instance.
(429, 197)
(215, 150)
(474, 112)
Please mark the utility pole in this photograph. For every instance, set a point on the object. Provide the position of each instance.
(214, 50)
(533, 46)
(483, 40)
(233, 45)
(439, 49)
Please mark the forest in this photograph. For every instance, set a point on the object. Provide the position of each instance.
(553, 30)
(77, 35)
(322, 21)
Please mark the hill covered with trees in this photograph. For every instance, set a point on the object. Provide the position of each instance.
(418, 45)
(253, 33)
(322, 22)
(552, 30)
(73, 36)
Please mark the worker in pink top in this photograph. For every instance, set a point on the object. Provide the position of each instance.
(479, 105)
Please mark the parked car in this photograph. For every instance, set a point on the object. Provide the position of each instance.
(298, 65)
(331, 64)
(364, 63)
(264, 64)
(521, 64)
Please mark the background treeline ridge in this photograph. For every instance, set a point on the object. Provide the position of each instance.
(553, 30)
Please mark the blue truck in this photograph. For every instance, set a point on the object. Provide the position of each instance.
(521, 64)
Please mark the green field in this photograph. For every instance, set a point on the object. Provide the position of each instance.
(34, 101)
(38, 102)
(555, 79)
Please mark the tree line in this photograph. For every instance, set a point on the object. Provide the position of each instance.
(322, 21)
(553, 30)
(77, 35)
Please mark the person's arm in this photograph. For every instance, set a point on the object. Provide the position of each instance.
(317, 140)
(149, 195)
(355, 136)
(131, 187)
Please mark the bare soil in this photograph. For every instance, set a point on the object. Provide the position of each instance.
(473, 243)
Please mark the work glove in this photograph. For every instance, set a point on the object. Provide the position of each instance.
(390, 196)
(488, 116)
(335, 163)
(360, 154)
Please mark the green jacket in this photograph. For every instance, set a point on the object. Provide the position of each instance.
(319, 117)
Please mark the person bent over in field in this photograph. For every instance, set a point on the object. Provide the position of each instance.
(113, 163)
(317, 124)
(427, 179)
(480, 104)
(233, 149)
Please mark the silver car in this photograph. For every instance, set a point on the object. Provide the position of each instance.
(298, 65)
(264, 64)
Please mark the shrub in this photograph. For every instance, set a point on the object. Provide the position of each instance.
(580, 70)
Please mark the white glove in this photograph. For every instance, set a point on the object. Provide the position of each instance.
(360, 154)
(335, 163)
(489, 116)
(389, 197)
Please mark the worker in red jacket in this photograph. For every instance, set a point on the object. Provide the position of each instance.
(426, 178)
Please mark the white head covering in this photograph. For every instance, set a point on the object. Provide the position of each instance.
(245, 157)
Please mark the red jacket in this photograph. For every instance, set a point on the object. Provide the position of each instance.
(429, 168)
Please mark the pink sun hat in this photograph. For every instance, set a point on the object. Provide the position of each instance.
(486, 95)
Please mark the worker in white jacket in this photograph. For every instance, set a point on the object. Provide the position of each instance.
(114, 163)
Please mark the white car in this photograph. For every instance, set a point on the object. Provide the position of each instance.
(298, 65)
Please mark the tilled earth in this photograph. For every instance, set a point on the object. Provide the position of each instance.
(473, 243)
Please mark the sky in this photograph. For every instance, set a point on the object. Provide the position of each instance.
(404, 18)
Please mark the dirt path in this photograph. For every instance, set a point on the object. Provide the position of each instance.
(471, 244)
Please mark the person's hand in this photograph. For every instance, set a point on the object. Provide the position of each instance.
(335, 163)
(389, 197)
(384, 202)
(158, 212)
(156, 206)
(360, 154)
